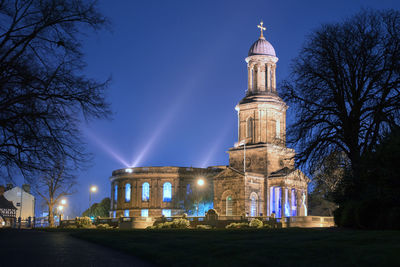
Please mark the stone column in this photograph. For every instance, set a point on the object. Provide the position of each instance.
(298, 202)
(290, 201)
(268, 77)
(262, 78)
(249, 80)
(274, 78)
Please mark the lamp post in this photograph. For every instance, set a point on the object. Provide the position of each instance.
(60, 209)
(200, 183)
(243, 143)
(93, 189)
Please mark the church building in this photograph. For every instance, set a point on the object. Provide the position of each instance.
(261, 178)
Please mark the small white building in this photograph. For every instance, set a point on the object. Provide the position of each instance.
(22, 200)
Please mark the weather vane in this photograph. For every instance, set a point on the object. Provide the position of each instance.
(261, 29)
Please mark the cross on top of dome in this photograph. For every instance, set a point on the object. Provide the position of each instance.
(261, 29)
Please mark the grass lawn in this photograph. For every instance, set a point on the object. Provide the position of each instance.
(282, 247)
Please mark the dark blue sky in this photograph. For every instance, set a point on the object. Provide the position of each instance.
(178, 71)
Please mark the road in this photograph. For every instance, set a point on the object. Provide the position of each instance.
(39, 248)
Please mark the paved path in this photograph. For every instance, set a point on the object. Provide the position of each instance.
(37, 248)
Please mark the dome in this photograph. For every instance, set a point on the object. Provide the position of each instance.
(262, 47)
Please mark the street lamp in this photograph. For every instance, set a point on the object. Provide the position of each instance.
(60, 209)
(93, 189)
(200, 183)
(63, 201)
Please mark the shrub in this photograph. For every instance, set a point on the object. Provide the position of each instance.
(267, 226)
(180, 223)
(237, 226)
(203, 226)
(256, 223)
(83, 222)
(103, 226)
(176, 223)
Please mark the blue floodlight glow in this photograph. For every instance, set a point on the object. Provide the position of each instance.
(127, 192)
(126, 213)
(166, 213)
(287, 204)
(114, 214)
(145, 192)
(128, 170)
(272, 201)
(115, 192)
(253, 206)
(167, 192)
(144, 213)
(279, 202)
(294, 203)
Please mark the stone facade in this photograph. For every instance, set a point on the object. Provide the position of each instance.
(181, 179)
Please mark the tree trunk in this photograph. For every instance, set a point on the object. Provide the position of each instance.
(51, 216)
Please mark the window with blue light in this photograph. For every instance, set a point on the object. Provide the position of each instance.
(115, 192)
(188, 189)
(144, 213)
(253, 205)
(114, 214)
(145, 192)
(166, 213)
(167, 192)
(126, 213)
(271, 200)
(127, 192)
(294, 203)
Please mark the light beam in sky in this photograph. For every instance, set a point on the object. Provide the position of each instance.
(174, 108)
(106, 148)
(216, 145)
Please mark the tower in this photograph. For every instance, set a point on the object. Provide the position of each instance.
(261, 179)
(261, 116)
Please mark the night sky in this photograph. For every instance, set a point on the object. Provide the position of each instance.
(178, 71)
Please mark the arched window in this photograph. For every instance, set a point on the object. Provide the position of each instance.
(145, 191)
(167, 192)
(127, 192)
(249, 132)
(229, 206)
(278, 129)
(115, 192)
(253, 204)
(253, 79)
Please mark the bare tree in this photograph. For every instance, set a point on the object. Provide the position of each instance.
(53, 186)
(43, 92)
(345, 87)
